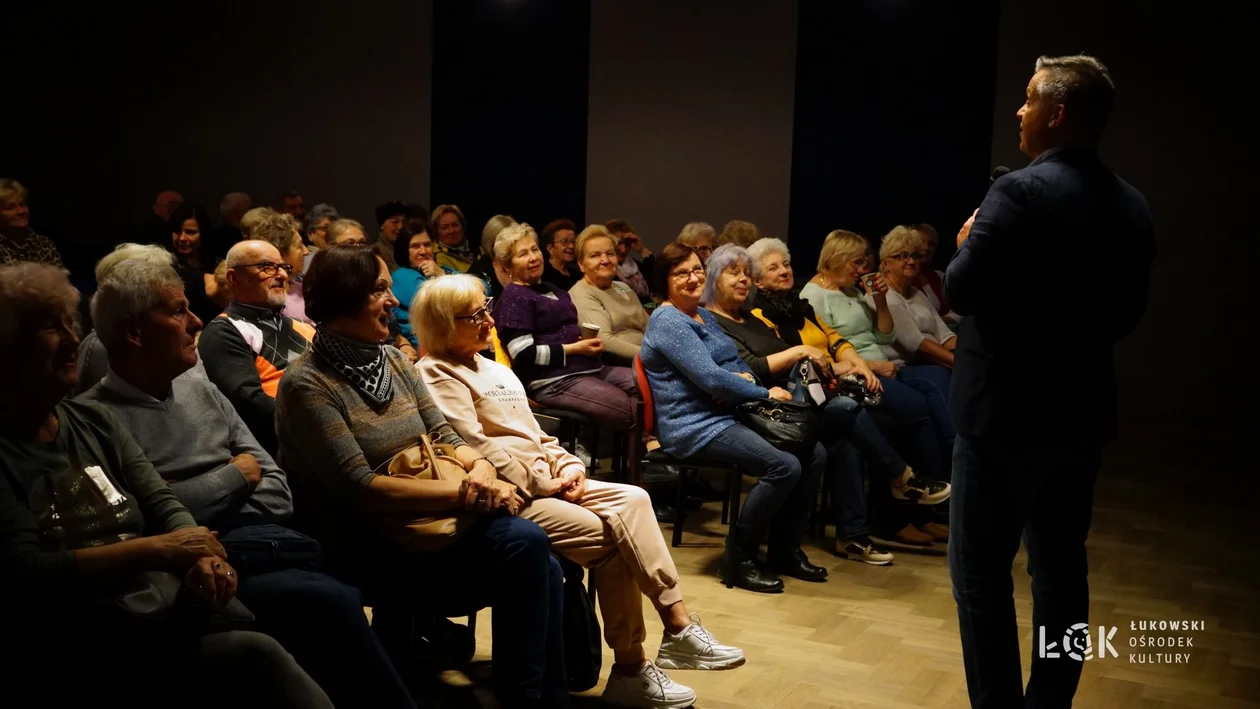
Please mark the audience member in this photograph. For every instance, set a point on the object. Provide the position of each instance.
(1027, 456)
(930, 280)
(187, 232)
(484, 267)
(740, 233)
(413, 251)
(200, 446)
(538, 326)
(247, 348)
(345, 408)
(634, 259)
(593, 523)
(156, 227)
(231, 208)
(315, 229)
(728, 284)
(699, 236)
(453, 249)
(605, 302)
(697, 377)
(920, 335)
(81, 512)
(390, 218)
(281, 231)
(346, 232)
(560, 269)
(291, 203)
(18, 241)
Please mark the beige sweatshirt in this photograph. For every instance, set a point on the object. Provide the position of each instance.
(618, 313)
(486, 404)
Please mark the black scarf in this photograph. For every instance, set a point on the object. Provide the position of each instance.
(462, 251)
(365, 365)
(787, 311)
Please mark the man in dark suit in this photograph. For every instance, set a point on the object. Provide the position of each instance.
(1033, 412)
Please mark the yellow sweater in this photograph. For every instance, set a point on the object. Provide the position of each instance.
(814, 334)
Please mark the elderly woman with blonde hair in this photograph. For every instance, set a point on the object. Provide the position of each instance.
(18, 241)
(593, 523)
(449, 226)
(699, 236)
(604, 301)
(920, 336)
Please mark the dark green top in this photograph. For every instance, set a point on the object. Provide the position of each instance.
(49, 506)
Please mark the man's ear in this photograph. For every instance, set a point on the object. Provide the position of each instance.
(1057, 115)
(131, 332)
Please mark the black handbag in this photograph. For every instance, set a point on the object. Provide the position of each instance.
(583, 649)
(263, 548)
(789, 426)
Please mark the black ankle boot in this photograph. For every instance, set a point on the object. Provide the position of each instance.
(739, 566)
(794, 563)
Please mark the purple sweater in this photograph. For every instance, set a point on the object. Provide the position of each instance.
(534, 324)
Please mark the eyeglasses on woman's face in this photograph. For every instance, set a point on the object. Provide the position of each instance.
(683, 274)
(908, 255)
(267, 269)
(480, 316)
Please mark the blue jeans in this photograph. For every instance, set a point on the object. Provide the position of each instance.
(780, 503)
(505, 563)
(845, 464)
(1043, 489)
(917, 406)
(320, 621)
(937, 400)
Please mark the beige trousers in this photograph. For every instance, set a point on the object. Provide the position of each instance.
(613, 529)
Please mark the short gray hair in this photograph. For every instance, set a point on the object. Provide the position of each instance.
(128, 293)
(722, 258)
(339, 226)
(1083, 84)
(126, 252)
(693, 231)
(29, 291)
(506, 241)
(900, 239)
(764, 247)
(8, 184)
(316, 214)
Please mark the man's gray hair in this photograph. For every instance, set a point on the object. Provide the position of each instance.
(763, 247)
(722, 258)
(126, 252)
(130, 290)
(317, 213)
(693, 231)
(1083, 84)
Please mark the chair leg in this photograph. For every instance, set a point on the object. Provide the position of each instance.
(680, 510)
(726, 501)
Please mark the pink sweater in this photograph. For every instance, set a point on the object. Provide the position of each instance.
(486, 404)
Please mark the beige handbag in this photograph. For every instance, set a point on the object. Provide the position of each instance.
(425, 461)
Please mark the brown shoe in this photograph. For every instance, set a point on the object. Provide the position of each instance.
(937, 531)
(911, 536)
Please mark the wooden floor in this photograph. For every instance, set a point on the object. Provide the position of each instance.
(1171, 540)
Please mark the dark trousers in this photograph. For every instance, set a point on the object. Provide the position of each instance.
(918, 408)
(787, 484)
(320, 621)
(1043, 490)
(504, 563)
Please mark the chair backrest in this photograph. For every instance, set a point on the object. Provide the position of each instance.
(645, 390)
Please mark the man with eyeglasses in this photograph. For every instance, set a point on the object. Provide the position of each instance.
(559, 240)
(246, 349)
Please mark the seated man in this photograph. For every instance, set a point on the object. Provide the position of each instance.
(246, 349)
(201, 447)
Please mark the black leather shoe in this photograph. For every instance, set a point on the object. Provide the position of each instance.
(740, 567)
(794, 563)
(664, 513)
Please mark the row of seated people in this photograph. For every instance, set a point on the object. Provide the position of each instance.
(153, 469)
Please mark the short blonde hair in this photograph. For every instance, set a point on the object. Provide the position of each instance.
(739, 232)
(273, 227)
(764, 247)
(693, 231)
(491, 230)
(840, 247)
(441, 210)
(594, 231)
(901, 238)
(505, 242)
(337, 227)
(437, 304)
(253, 218)
(8, 185)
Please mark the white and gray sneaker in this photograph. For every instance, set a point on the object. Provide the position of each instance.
(651, 688)
(695, 648)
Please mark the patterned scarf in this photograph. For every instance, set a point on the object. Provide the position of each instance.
(462, 250)
(365, 365)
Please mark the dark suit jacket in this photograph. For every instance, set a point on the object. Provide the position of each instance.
(1054, 274)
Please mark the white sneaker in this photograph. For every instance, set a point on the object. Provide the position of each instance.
(696, 649)
(650, 689)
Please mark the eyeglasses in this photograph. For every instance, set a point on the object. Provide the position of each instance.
(565, 242)
(270, 268)
(698, 272)
(906, 256)
(705, 250)
(478, 318)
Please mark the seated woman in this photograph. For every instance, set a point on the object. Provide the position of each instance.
(697, 377)
(190, 231)
(538, 326)
(930, 281)
(633, 259)
(413, 252)
(603, 300)
(484, 266)
(596, 524)
(453, 250)
(911, 398)
(921, 337)
(726, 291)
(81, 513)
(344, 409)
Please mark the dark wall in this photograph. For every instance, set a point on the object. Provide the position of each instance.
(113, 105)
(892, 124)
(509, 109)
(1181, 133)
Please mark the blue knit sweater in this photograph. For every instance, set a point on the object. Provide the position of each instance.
(690, 368)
